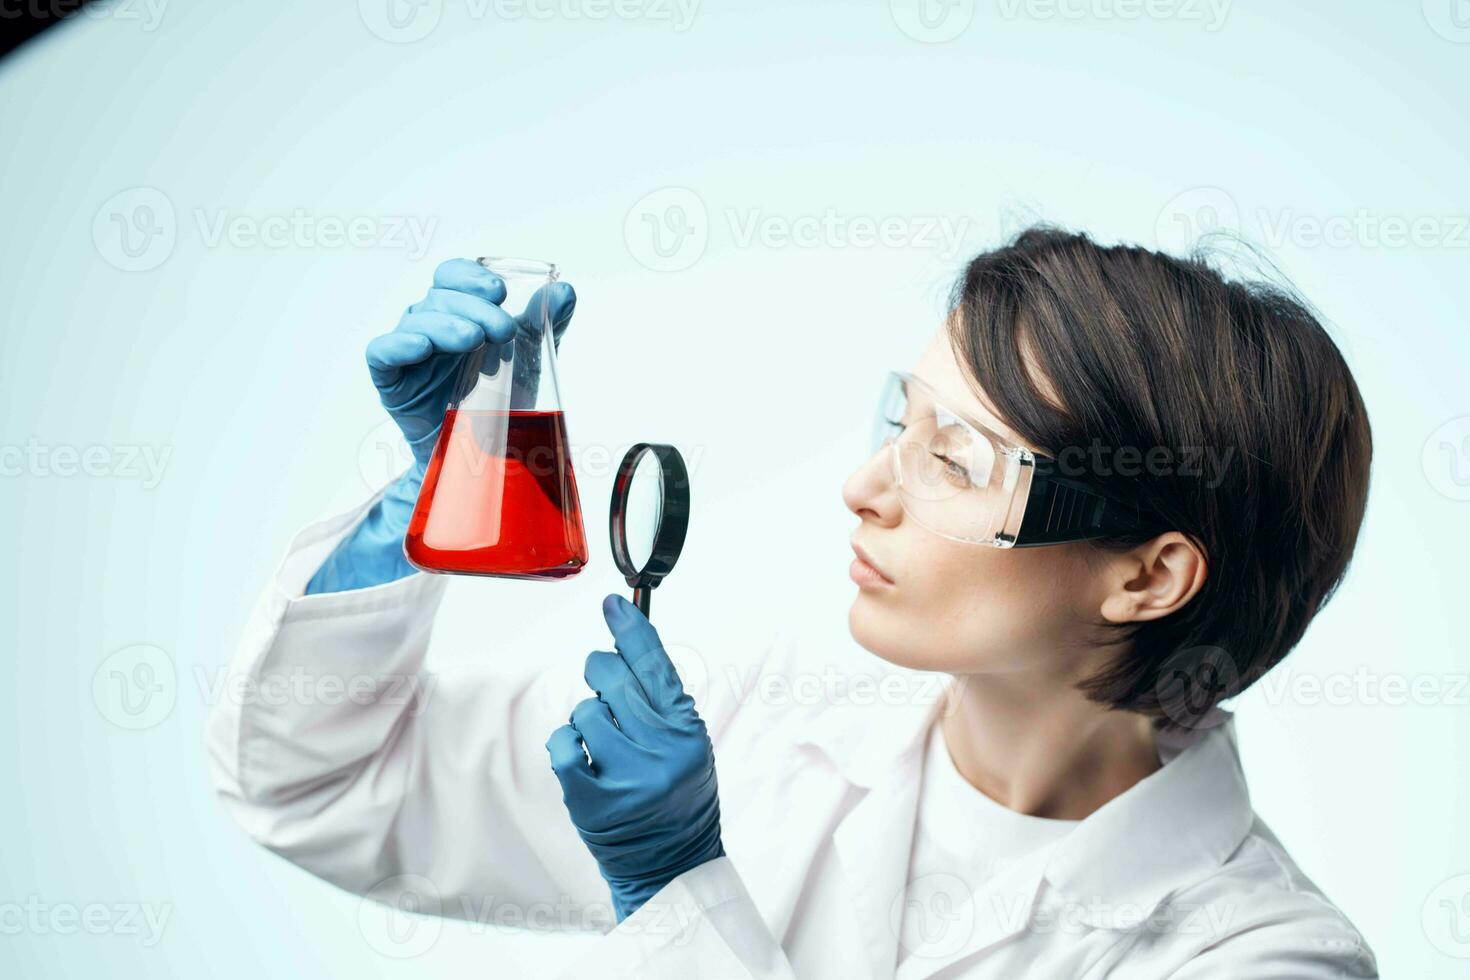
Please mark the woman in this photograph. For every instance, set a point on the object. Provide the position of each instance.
(1112, 492)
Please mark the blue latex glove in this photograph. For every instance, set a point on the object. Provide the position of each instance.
(646, 805)
(416, 369)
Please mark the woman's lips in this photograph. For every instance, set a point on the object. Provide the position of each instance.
(864, 572)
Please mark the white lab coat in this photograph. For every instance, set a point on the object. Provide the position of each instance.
(443, 789)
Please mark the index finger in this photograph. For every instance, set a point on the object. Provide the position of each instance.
(639, 645)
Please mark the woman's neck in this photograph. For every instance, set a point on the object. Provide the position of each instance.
(1044, 750)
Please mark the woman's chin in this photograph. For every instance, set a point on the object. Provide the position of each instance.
(875, 628)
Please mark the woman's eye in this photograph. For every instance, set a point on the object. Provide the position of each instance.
(953, 468)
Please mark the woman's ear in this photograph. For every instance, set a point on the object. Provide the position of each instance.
(1154, 579)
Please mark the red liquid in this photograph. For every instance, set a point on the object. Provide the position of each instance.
(499, 498)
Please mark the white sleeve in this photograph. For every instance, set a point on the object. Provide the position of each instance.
(332, 746)
(700, 926)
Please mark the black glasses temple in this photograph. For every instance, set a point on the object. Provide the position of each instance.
(1062, 508)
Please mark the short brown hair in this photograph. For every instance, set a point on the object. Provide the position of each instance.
(1146, 350)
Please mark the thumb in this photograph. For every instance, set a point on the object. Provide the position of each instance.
(558, 301)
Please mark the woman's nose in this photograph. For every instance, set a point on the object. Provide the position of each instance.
(870, 491)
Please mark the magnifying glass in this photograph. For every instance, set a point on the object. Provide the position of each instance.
(649, 515)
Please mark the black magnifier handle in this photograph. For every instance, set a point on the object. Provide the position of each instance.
(641, 597)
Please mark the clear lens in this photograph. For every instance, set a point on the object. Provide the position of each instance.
(954, 477)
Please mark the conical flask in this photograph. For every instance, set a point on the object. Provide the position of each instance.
(500, 497)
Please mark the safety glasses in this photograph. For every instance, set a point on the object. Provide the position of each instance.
(963, 481)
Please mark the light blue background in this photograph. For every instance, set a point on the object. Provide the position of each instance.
(545, 136)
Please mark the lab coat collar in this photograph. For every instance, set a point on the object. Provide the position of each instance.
(1171, 828)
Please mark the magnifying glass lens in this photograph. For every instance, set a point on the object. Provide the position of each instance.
(648, 516)
(644, 509)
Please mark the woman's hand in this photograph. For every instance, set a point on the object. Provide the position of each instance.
(417, 365)
(645, 803)
(416, 368)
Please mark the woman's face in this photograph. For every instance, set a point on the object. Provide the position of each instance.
(958, 607)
